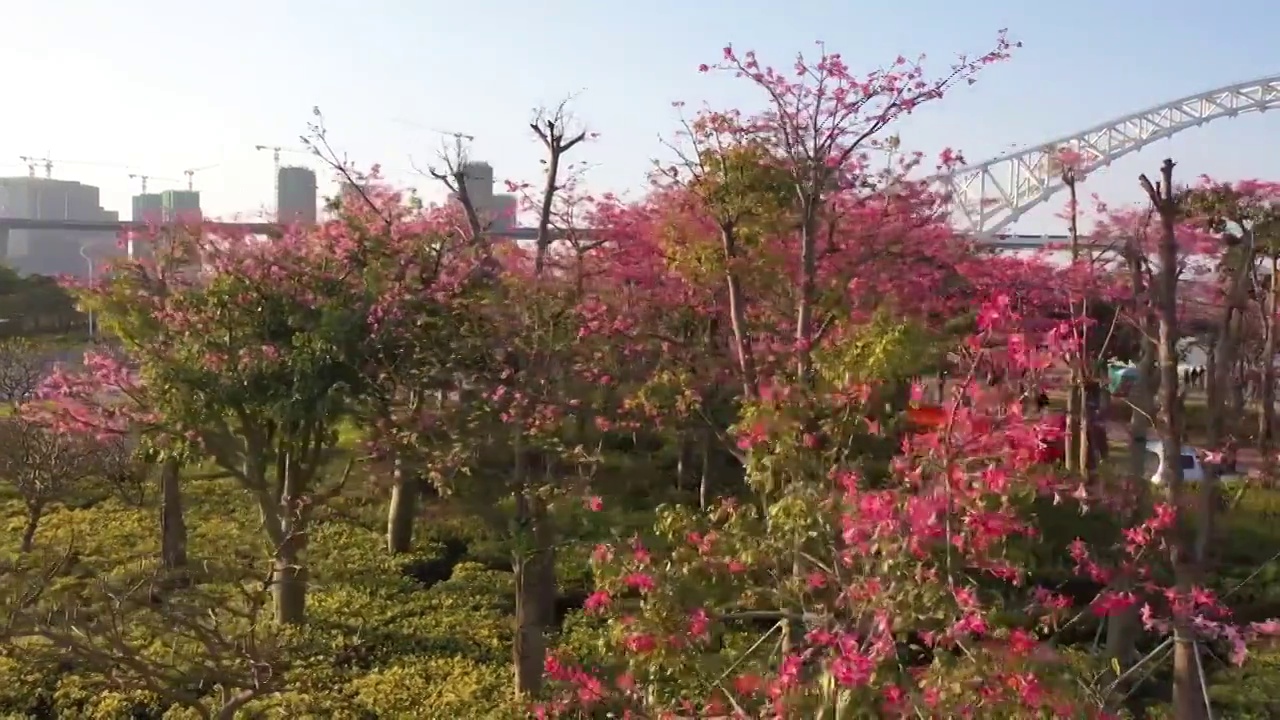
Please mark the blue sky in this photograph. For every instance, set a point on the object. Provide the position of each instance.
(164, 86)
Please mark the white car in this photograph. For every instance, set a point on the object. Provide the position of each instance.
(1192, 467)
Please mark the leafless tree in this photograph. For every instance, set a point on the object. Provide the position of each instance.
(559, 133)
(212, 651)
(22, 369)
(123, 471)
(455, 159)
(1189, 701)
(42, 465)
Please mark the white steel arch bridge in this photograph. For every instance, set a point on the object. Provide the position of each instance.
(988, 197)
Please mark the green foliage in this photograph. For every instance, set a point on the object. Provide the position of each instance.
(35, 305)
(884, 350)
(378, 643)
(744, 183)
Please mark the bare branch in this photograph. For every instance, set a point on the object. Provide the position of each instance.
(21, 369)
(208, 650)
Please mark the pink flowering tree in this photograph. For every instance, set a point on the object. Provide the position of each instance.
(252, 352)
(899, 588)
(910, 582)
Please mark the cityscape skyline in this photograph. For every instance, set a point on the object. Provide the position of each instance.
(420, 64)
(62, 252)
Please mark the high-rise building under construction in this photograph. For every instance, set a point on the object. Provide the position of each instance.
(296, 196)
(180, 206)
(148, 208)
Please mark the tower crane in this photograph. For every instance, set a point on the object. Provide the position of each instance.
(32, 162)
(458, 137)
(276, 150)
(145, 178)
(191, 172)
(275, 162)
(454, 134)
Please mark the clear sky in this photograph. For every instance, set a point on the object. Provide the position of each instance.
(161, 86)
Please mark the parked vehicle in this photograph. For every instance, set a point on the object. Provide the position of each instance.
(1189, 458)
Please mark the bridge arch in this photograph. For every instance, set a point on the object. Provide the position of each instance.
(990, 196)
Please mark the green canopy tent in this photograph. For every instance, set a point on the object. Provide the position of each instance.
(1120, 379)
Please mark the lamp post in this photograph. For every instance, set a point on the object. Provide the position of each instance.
(89, 261)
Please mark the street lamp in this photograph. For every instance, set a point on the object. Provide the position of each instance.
(88, 260)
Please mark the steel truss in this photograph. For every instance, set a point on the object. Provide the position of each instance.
(990, 196)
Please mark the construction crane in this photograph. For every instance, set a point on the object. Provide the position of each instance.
(275, 161)
(459, 136)
(32, 162)
(276, 150)
(191, 172)
(145, 178)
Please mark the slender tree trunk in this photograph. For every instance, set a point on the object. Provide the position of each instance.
(1216, 392)
(289, 583)
(531, 567)
(544, 564)
(1239, 389)
(535, 598)
(704, 482)
(738, 313)
(1123, 628)
(1267, 393)
(544, 215)
(403, 509)
(1087, 422)
(807, 287)
(34, 512)
(1075, 444)
(289, 578)
(1188, 700)
(1070, 442)
(682, 466)
(1087, 409)
(530, 645)
(173, 526)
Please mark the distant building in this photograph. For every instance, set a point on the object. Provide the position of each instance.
(53, 252)
(180, 206)
(148, 208)
(296, 196)
(499, 211)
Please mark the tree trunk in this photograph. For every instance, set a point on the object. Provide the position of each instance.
(289, 589)
(1188, 700)
(173, 526)
(535, 598)
(403, 510)
(1070, 442)
(1216, 392)
(1123, 628)
(1076, 436)
(682, 466)
(34, 511)
(738, 314)
(1085, 461)
(704, 482)
(1239, 389)
(289, 580)
(1267, 381)
(807, 286)
(1267, 393)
